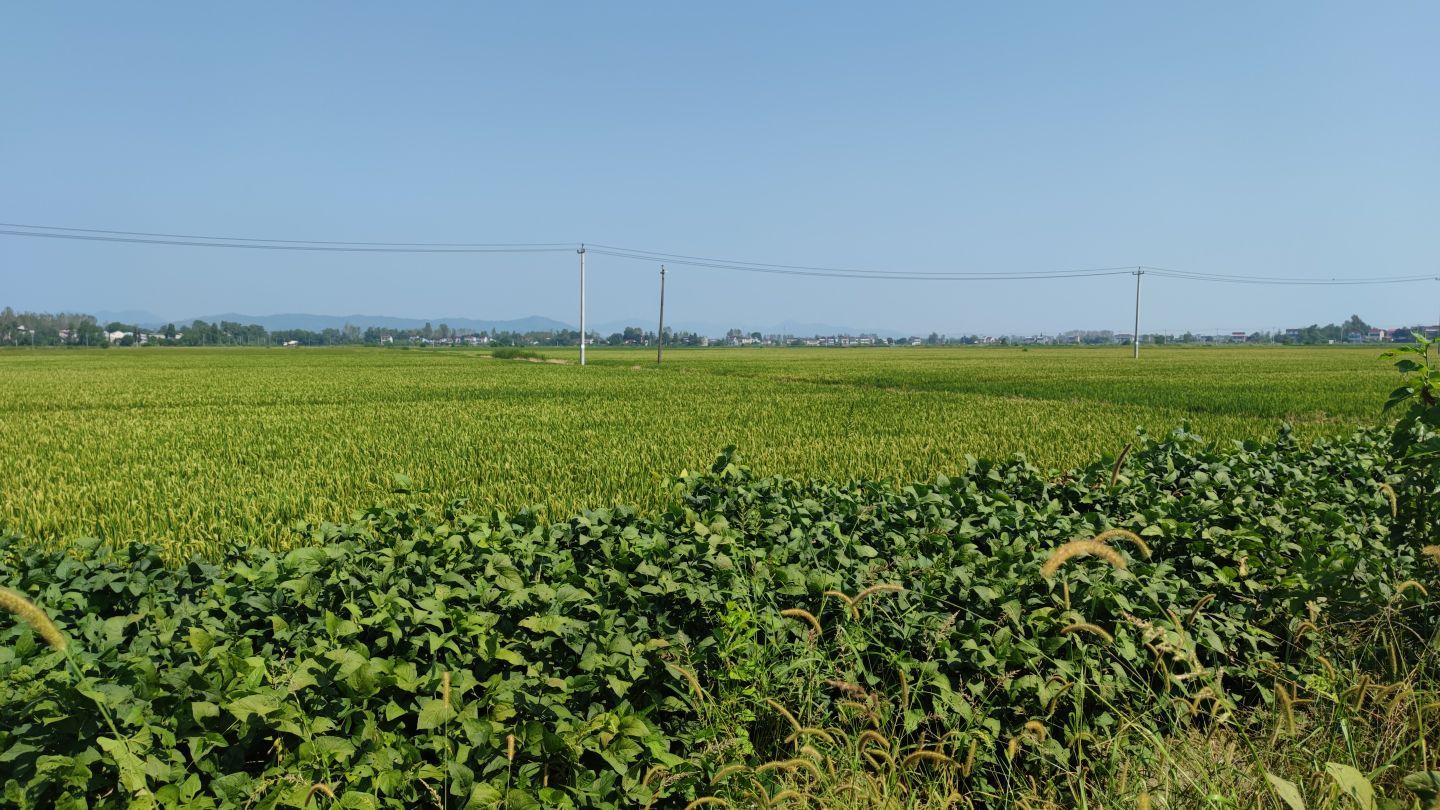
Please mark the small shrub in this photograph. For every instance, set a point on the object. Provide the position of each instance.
(515, 353)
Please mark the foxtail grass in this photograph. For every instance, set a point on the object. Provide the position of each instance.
(1394, 502)
(1120, 462)
(31, 614)
(1080, 548)
(874, 589)
(1128, 535)
(807, 617)
(319, 788)
(690, 679)
(784, 712)
(1092, 629)
(847, 600)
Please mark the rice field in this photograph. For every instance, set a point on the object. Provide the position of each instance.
(186, 447)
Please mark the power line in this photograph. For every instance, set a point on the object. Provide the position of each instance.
(869, 274)
(286, 241)
(321, 248)
(1192, 275)
(735, 264)
(650, 256)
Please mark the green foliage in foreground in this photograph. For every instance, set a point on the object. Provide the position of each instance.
(244, 680)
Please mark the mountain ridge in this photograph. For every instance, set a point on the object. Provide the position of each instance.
(532, 323)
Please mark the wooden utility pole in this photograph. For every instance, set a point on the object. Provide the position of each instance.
(660, 336)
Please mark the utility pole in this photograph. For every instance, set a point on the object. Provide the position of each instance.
(1138, 273)
(660, 336)
(581, 251)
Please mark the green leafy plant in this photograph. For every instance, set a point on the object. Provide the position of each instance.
(618, 657)
(1415, 439)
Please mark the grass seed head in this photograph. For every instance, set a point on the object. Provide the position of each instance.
(924, 755)
(728, 771)
(849, 603)
(807, 617)
(1086, 627)
(874, 589)
(689, 679)
(787, 795)
(1080, 548)
(1408, 585)
(848, 688)
(31, 614)
(1120, 462)
(1128, 535)
(784, 712)
(872, 736)
(1199, 606)
(809, 731)
(1394, 502)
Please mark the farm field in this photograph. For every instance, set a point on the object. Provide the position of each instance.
(186, 447)
(870, 608)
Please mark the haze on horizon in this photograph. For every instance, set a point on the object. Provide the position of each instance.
(1282, 139)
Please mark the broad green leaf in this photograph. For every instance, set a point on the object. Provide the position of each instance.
(1352, 783)
(1286, 790)
(201, 641)
(1425, 784)
(434, 713)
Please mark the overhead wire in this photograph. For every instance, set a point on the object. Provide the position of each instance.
(1195, 275)
(684, 260)
(890, 275)
(321, 248)
(735, 264)
(285, 241)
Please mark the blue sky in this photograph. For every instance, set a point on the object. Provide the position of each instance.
(1281, 138)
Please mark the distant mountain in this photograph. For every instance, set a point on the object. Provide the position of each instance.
(316, 323)
(534, 323)
(139, 317)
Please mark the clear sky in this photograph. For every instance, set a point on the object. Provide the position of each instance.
(1276, 138)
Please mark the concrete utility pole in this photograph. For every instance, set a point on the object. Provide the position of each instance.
(581, 251)
(660, 336)
(1136, 337)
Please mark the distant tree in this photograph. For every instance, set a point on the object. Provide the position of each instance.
(1355, 326)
